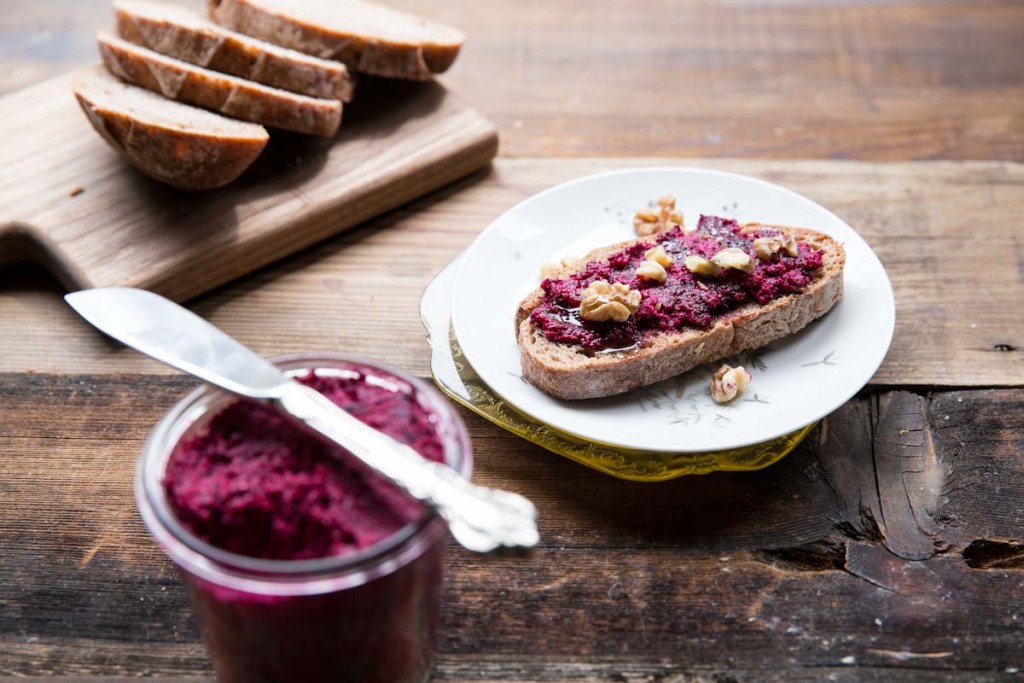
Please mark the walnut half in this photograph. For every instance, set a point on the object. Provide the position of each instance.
(659, 256)
(766, 247)
(602, 301)
(698, 265)
(648, 222)
(734, 258)
(651, 271)
(728, 382)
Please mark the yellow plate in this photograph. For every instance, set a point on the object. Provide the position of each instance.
(455, 377)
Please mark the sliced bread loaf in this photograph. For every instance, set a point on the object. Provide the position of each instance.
(242, 99)
(174, 143)
(572, 371)
(180, 33)
(369, 38)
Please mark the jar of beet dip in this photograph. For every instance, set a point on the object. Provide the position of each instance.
(299, 566)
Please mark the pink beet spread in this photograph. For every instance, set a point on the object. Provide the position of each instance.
(254, 484)
(679, 302)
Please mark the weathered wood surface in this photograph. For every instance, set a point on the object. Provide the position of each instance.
(891, 539)
(948, 234)
(889, 547)
(69, 201)
(539, 670)
(747, 78)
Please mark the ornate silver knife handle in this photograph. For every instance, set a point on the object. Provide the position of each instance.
(481, 519)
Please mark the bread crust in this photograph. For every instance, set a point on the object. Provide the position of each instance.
(565, 371)
(189, 157)
(177, 32)
(228, 95)
(416, 60)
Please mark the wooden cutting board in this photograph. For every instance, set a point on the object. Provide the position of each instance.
(70, 202)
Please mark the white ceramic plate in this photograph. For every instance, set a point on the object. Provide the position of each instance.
(797, 380)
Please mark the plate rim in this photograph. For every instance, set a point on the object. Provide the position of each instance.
(769, 434)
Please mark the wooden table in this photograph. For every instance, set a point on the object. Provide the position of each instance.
(890, 546)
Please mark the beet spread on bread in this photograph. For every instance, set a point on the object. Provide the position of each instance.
(638, 312)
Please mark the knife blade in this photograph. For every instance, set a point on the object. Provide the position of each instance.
(481, 519)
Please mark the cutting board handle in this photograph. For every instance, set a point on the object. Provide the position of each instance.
(21, 243)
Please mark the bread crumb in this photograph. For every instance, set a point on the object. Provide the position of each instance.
(75, 191)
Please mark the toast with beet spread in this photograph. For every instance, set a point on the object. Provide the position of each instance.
(638, 312)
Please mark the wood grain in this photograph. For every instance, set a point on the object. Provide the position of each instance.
(537, 670)
(887, 548)
(857, 79)
(789, 569)
(96, 222)
(947, 233)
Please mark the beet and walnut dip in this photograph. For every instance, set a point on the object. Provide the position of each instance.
(672, 280)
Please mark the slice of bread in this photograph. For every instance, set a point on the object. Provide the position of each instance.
(180, 33)
(174, 143)
(241, 99)
(569, 371)
(369, 38)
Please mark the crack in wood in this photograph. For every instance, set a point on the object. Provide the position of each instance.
(986, 553)
(822, 555)
(873, 582)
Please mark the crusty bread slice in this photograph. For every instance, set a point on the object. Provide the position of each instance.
(174, 143)
(569, 372)
(241, 99)
(180, 33)
(368, 37)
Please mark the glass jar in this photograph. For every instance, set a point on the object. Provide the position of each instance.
(369, 616)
